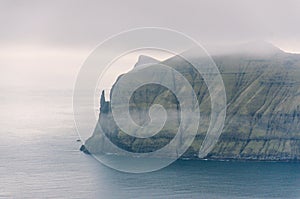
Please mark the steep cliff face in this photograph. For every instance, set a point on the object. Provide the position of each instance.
(263, 111)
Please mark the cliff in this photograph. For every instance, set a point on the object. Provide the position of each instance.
(263, 108)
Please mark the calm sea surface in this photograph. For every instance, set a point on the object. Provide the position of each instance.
(39, 158)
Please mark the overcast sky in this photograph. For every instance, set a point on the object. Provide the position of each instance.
(43, 43)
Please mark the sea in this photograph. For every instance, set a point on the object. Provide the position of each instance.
(40, 158)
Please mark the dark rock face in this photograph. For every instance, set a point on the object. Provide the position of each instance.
(104, 105)
(84, 149)
(263, 112)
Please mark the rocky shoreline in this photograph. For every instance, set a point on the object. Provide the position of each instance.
(244, 159)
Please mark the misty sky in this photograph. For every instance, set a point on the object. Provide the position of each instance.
(43, 43)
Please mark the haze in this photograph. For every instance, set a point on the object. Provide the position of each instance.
(43, 43)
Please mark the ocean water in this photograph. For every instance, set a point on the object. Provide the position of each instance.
(39, 158)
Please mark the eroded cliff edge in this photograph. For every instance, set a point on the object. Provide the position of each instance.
(263, 112)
